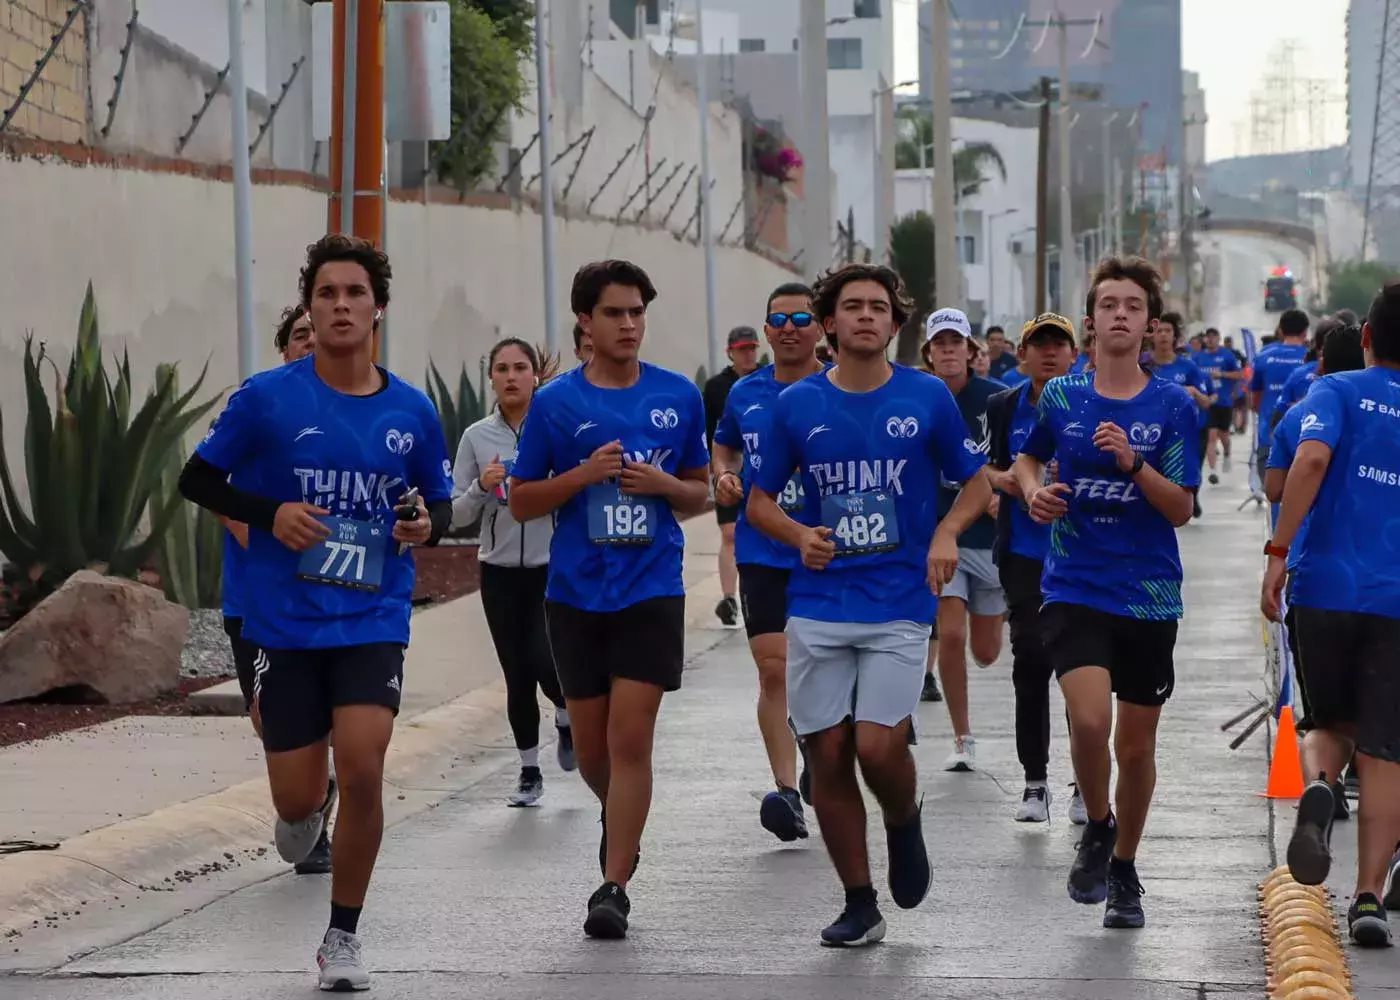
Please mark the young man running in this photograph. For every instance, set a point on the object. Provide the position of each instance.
(614, 450)
(872, 441)
(1126, 447)
(1272, 366)
(743, 359)
(1001, 356)
(340, 468)
(1046, 352)
(1223, 367)
(765, 565)
(971, 606)
(1168, 361)
(1345, 481)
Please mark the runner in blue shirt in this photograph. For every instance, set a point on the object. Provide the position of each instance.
(615, 450)
(1047, 350)
(1001, 356)
(765, 565)
(1224, 369)
(972, 606)
(339, 468)
(1125, 444)
(1345, 590)
(1169, 361)
(872, 441)
(1272, 366)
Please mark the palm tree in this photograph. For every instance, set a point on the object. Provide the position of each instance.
(969, 161)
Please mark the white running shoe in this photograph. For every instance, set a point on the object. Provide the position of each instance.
(1035, 805)
(1225, 464)
(1078, 812)
(342, 970)
(964, 755)
(296, 841)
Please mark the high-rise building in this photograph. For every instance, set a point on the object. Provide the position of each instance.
(1135, 57)
(1365, 34)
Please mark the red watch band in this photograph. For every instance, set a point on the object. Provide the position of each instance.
(1280, 551)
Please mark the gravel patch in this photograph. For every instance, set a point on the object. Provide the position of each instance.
(207, 652)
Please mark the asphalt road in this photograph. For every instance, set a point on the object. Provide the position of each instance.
(1236, 265)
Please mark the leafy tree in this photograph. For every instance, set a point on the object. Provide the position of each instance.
(1352, 284)
(490, 38)
(971, 161)
(911, 252)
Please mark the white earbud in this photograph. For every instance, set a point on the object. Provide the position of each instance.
(378, 315)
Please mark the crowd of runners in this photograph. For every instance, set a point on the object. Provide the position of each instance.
(879, 520)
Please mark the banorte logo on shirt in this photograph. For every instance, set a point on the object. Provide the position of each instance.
(665, 419)
(907, 427)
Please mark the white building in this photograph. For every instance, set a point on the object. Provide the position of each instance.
(996, 227)
(860, 60)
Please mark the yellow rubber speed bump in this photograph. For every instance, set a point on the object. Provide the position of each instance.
(1303, 958)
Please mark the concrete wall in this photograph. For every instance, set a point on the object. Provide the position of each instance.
(158, 247)
(56, 108)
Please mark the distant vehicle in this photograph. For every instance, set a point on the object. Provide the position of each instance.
(1280, 290)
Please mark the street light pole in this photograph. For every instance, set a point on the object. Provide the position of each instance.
(1067, 256)
(947, 287)
(543, 95)
(1106, 219)
(707, 228)
(884, 153)
(242, 193)
(992, 263)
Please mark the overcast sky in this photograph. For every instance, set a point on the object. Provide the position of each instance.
(1231, 43)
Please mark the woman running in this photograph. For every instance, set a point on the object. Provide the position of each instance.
(514, 562)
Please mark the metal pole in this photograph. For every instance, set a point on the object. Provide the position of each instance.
(543, 86)
(1106, 219)
(991, 275)
(707, 226)
(877, 185)
(1067, 254)
(347, 112)
(1118, 209)
(383, 358)
(817, 152)
(242, 193)
(946, 267)
(1042, 200)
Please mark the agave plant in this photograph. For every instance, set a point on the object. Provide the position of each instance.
(190, 556)
(94, 470)
(458, 412)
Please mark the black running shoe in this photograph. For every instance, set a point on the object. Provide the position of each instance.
(1088, 876)
(909, 871)
(1124, 909)
(1309, 849)
(318, 862)
(1341, 808)
(1196, 508)
(608, 909)
(858, 924)
(727, 611)
(781, 815)
(1367, 921)
(930, 691)
(603, 851)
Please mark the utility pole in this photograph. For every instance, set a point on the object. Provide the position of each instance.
(543, 96)
(1188, 213)
(947, 286)
(357, 135)
(1106, 217)
(707, 225)
(811, 47)
(1042, 199)
(242, 194)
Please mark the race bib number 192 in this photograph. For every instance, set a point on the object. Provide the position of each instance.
(861, 523)
(616, 519)
(352, 555)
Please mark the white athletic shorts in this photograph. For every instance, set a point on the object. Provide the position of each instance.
(977, 583)
(865, 672)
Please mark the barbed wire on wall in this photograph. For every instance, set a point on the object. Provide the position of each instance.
(685, 186)
(183, 141)
(732, 216)
(582, 140)
(120, 78)
(654, 195)
(54, 42)
(573, 174)
(755, 225)
(518, 159)
(608, 179)
(276, 105)
(694, 222)
(627, 203)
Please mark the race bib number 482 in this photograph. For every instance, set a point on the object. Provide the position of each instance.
(352, 555)
(861, 523)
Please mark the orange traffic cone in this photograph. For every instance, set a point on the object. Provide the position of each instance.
(1286, 771)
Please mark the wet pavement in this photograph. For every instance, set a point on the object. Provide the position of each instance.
(473, 899)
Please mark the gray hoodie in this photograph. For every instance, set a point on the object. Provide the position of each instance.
(504, 541)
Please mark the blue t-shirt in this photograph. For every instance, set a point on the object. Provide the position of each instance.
(1183, 371)
(1285, 446)
(1272, 366)
(288, 436)
(1350, 558)
(1014, 377)
(748, 414)
(1028, 538)
(1081, 362)
(1112, 550)
(871, 464)
(972, 404)
(1215, 364)
(1297, 386)
(611, 551)
(1002, 364)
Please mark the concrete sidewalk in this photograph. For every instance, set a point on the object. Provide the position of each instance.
(161, 813)
(474, 899)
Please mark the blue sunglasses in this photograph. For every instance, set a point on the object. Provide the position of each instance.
(800, 320)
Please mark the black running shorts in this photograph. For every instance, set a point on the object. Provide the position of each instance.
(642, 642)
(1218, 418)
(1136, 652)
(763, 596)
(245, 654)
(726, 515)
(298, 690)
(1347, 676)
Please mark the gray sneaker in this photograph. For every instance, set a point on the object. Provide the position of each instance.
(296, 841)
(342, 971)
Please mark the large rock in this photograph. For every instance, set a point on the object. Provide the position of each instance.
(119, 638)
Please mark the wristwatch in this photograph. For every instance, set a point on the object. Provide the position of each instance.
(1278, 551)
(1138, 463)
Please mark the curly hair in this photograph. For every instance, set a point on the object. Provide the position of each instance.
(1135, 269)
(827, 291)
(335, 247)
(283, 336)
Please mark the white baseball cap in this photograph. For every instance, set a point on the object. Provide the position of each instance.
(947, 319)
